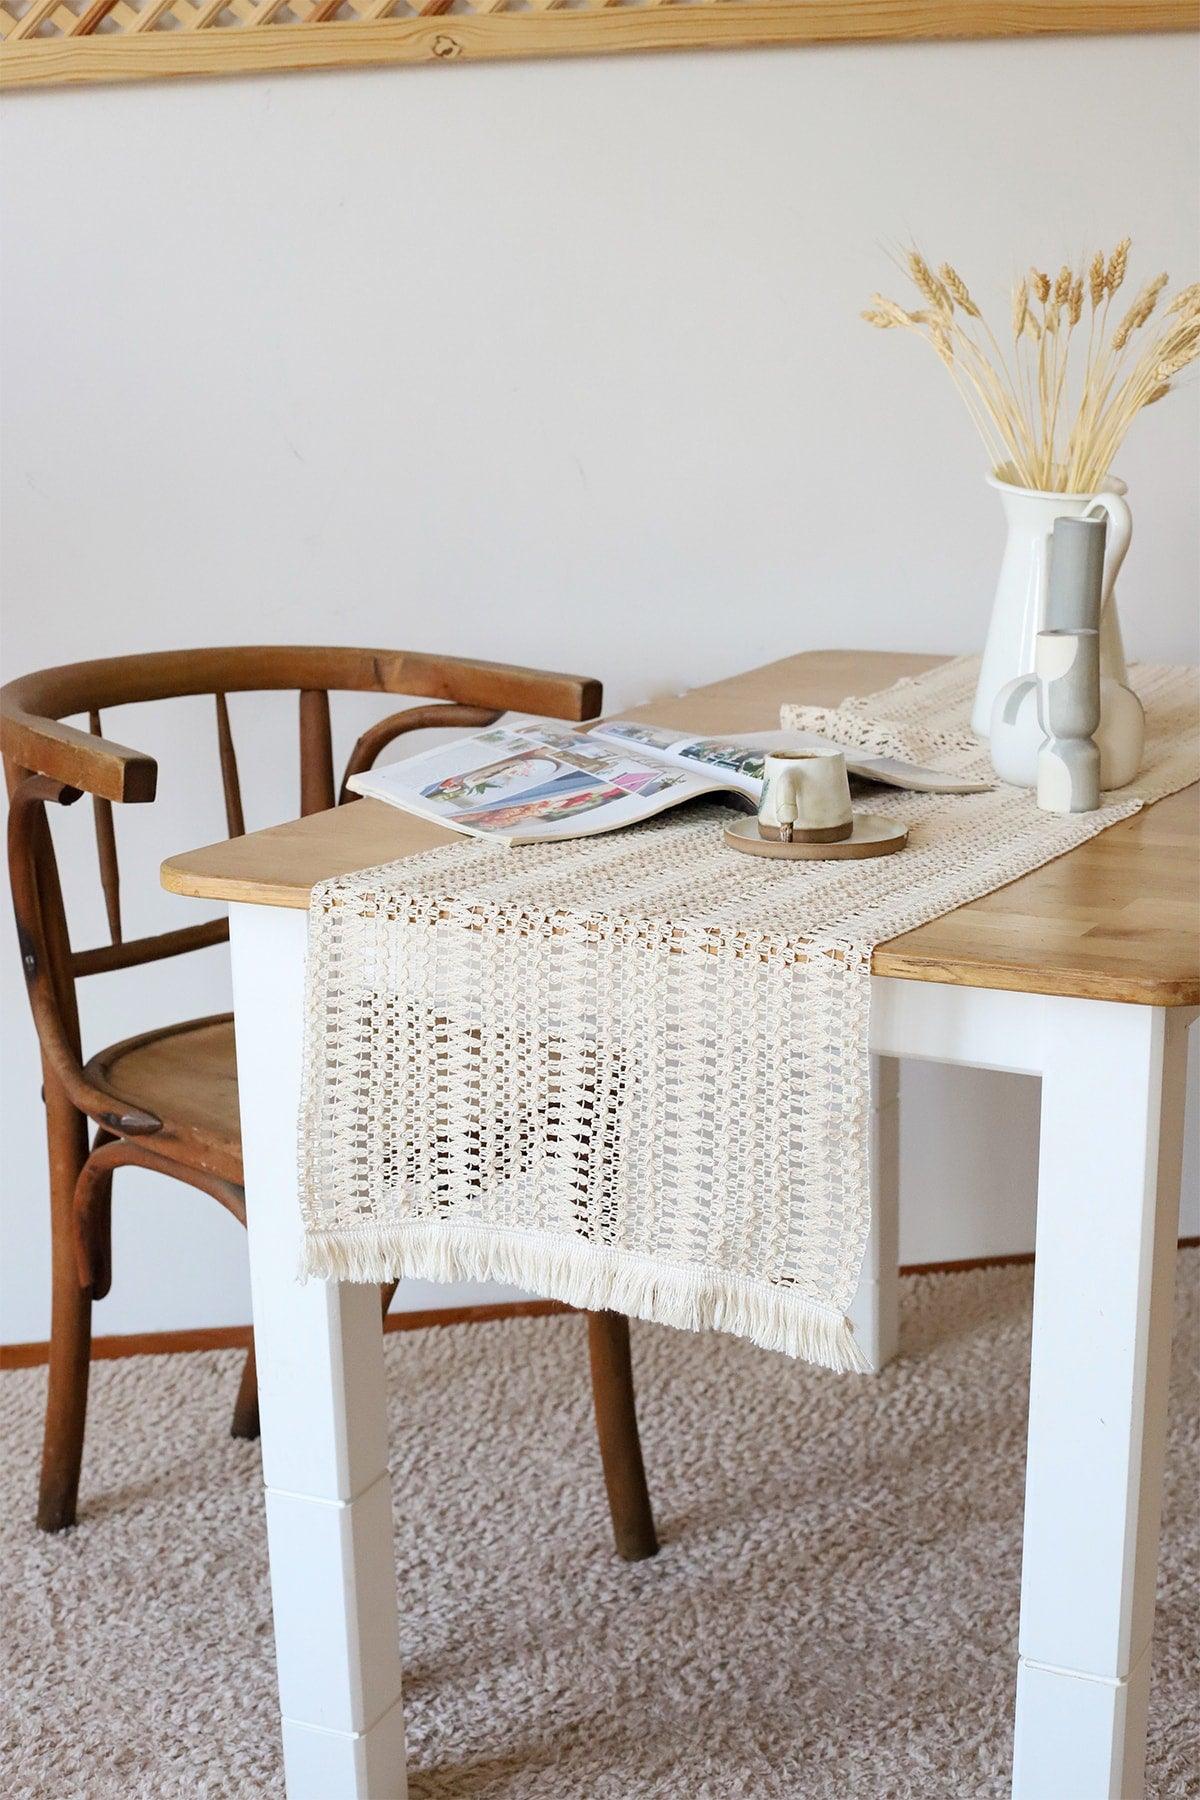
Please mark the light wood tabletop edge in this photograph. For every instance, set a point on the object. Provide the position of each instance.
(206, 873)
(1021, 978)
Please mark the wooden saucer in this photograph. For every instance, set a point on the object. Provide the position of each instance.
(808, 834)
(872, 835)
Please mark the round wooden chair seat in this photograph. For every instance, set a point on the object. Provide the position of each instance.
(186, 1074)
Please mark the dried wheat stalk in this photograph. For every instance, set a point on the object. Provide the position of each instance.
(1054, 408)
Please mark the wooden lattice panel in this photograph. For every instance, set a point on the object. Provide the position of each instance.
(44, 42)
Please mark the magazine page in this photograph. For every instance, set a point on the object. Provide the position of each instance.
(533, 782)
(737, 765)
(740, 759)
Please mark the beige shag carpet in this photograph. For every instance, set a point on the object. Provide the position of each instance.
(833, 1612)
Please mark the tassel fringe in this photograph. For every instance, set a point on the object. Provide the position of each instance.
(593, 1278)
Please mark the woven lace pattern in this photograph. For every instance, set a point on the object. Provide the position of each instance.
(632, 1071)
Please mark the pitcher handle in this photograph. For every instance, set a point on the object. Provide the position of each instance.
(1120, 530)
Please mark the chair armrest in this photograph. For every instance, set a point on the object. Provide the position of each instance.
(26, 817)
(500, 687)
(63, 753)
(503, 687)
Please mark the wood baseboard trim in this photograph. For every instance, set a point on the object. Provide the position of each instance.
(237, 1337)
(967, 1263)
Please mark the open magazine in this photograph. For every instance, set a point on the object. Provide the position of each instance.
(531, 781)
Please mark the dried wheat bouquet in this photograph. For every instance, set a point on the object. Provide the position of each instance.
(1054, 404)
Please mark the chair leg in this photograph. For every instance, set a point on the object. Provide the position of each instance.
(70, 1320)
(245, 1407)
(93, 1225)
(616, 1428)
(244, 1423)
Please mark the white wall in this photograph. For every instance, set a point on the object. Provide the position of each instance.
(558, 363)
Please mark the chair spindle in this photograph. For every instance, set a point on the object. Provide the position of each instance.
(106, 850)
(234, 820)
(316, 752)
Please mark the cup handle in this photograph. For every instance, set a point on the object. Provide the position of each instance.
(1120, 530)
(786, 804)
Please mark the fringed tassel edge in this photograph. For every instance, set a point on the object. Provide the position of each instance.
(594, 1278)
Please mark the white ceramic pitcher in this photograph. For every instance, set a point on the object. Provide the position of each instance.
(1019, 610)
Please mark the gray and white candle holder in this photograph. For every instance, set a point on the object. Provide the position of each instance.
(1068, 704)
(1072, 603)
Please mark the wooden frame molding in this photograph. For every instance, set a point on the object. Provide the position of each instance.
(67, 42)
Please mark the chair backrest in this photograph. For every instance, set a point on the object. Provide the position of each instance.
(48, 761)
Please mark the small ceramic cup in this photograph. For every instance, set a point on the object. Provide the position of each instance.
(805, 797)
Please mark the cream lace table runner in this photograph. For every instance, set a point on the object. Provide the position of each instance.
(631, 1071)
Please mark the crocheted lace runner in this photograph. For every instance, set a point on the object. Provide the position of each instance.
(631, 1071)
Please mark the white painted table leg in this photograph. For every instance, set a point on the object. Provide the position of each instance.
(1108, 1198)
(875, 1309)
(322, 1405)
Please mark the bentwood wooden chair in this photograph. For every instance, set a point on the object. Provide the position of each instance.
(167, 1099)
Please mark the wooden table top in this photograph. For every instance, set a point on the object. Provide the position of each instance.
(1116, 919)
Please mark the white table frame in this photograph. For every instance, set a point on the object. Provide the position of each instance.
(1113, 1079)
